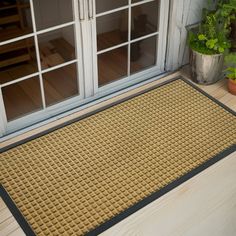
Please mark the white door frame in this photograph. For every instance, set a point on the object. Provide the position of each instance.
(46, 112)
(3, 120)
(161, 50)
(85, 31)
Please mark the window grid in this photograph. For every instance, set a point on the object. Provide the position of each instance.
(41, 71)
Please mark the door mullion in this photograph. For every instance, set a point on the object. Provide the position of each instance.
(88, 55)
(88, 31)
(129, 38)
(78, 48)
(95, 56)
(37, 54)
(162, 36)
(3, 117)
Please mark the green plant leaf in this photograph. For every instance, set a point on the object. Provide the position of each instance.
(211, 43)
(202, 37)
(221, 50)
(212, 35)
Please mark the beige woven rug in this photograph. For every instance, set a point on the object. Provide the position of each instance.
(90, 174)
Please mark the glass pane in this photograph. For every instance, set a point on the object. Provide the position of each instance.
(143, 54)
(15, 19)
(56, 47)
(112, 29)
(60, 84)
(22, 98)
(17, 59)
(106, 5)
(144, 19)
(52, 13)
(112, 65)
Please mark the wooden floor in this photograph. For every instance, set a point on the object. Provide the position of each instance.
(8, 225)
(112, 65)
(25, 97)
(218, 90)
(204, 205)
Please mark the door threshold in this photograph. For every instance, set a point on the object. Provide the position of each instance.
(42, 126)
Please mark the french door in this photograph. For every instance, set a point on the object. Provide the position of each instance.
(57, 55)
(129, 38)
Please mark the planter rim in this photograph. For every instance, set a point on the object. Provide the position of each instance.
(213, 55)
(231, 80)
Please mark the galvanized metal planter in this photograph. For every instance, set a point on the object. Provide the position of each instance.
(206, 69)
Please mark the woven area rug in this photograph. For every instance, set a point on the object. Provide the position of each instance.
(89, 174)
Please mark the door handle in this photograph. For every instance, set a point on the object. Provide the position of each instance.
(81, 10)
(90, 9)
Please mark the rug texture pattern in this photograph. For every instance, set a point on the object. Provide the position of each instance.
(70, 181)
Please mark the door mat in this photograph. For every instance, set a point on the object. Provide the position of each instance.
(87, 175)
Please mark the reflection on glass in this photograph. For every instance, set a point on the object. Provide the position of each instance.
(112, 29)
(17, 59)
(22, 98)
(112, 65)
(52, 13)
(106, 5)
(60, 84)
(144, 19)
(134, 1)
(15, 19)
(143, 54)
(56, 47)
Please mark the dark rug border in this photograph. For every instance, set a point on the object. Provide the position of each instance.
(114, 104)
(118, 218)
(139, 205)
(26, 227)
(16, 212)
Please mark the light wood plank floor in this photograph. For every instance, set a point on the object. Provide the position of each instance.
(204, 205)
(218, 90)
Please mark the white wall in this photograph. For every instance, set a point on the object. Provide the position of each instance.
(182, 13)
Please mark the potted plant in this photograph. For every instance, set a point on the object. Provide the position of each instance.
(226, 14)
(208, 41)
(230, 61)
(227, 8)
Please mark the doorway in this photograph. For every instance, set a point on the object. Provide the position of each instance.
(56, 54)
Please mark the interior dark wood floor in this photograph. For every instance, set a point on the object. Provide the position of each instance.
(60, 84)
